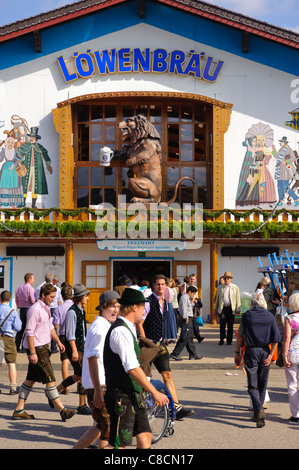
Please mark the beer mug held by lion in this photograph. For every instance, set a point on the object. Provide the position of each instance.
(106, 155)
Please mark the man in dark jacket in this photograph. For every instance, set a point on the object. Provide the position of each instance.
(257, 331)
(152, 328)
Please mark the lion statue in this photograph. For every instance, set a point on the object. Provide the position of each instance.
(143, 158)
(142, 155)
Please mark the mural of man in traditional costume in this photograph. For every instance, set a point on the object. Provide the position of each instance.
(11, 187)
(285, 170)
(34, 155)
(256, 185)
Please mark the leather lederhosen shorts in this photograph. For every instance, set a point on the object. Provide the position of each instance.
(128, 416)
(10, 350)
(42, 371)
(99, 415)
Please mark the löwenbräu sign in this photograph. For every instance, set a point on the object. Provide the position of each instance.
(126, 60)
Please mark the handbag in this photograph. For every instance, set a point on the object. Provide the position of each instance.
(199, 321)
(2, 347)
(280, 315)
(21, 170)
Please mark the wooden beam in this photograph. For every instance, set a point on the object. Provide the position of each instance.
(142, 9)
(245, 41)
(213, 280)
(37, 37)
(69, 255)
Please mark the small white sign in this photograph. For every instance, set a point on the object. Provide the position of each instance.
(141, 245)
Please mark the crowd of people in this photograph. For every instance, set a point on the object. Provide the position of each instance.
(142, 321)
(113, 358)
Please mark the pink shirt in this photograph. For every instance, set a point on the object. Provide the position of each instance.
(25, 296)
(39, 324)
(168, 294)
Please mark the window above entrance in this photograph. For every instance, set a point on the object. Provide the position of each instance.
(191, 127)
(184, 128)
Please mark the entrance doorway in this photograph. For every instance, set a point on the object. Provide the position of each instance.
(140, 270)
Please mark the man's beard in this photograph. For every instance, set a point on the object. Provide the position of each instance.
(9, 153)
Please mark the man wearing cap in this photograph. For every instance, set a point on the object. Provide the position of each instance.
(125, 379)
(227, 304)
(186, 324)
(75, 332)
(93, 372)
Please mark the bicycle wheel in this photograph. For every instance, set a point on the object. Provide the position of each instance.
(158, 417)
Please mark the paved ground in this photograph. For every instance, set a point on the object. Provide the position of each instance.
(213, 387)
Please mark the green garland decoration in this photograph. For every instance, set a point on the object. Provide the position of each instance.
(221, 229)
(40, 214)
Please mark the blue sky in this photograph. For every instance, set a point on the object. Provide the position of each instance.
(283, 13)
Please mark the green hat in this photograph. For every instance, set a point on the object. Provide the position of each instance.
(132, 296)
(34, 133)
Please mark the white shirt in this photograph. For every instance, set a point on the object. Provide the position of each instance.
(57, 299)
(94, 347)
(122, 343)
(227, 302)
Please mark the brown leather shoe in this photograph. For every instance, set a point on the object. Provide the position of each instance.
(260, 423)
(22, 415)
(67, 414)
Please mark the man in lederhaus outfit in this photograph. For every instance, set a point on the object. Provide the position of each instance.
(227, 304)
(75, 333)
(152, 328)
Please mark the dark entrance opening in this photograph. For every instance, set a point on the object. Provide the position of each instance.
(140, 270)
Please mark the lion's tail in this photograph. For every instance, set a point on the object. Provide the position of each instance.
(195, 190)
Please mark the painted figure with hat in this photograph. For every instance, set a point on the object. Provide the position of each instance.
(227, 304)
(75, 333)
(93, 372)
(125, 378)
(35, 155)
(285, 170)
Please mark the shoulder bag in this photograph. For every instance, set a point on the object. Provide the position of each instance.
(2, 347)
